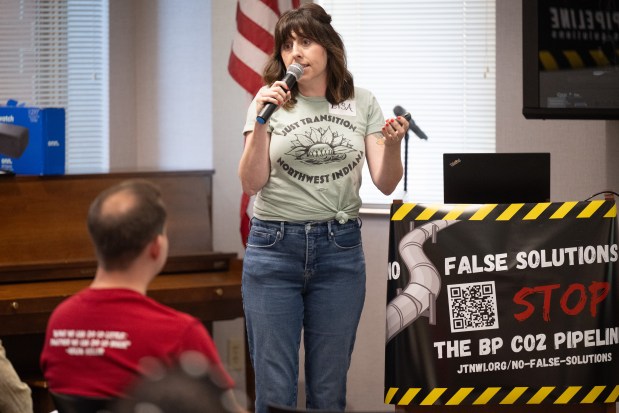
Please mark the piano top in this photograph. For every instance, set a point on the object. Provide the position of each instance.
(44, 234)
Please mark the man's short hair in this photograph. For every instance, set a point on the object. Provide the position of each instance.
(123, 220)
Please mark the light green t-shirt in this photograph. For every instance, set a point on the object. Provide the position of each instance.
(317, 154)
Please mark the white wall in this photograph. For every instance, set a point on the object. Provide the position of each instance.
(161, 84)
(123, 122)
(164, 113)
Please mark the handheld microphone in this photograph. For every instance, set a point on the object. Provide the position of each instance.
(293, 74)
(399, 111)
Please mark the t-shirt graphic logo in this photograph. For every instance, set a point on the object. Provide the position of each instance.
(320, 146)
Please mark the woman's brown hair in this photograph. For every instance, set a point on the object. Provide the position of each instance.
(312, 21)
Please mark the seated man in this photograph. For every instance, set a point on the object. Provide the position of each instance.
(15, 396)
(101, 339)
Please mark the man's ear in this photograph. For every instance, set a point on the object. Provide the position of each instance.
(154, 248)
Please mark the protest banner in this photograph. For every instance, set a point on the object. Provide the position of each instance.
(502, 304)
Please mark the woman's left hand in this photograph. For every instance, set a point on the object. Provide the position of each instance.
(394, 130)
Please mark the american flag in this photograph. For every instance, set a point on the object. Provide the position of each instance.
(251, 47)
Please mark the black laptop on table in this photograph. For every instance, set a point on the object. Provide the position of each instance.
(496, 178)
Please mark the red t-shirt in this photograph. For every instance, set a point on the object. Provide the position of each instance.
(96, 339)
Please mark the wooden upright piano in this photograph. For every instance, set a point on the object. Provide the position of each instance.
(46, 255)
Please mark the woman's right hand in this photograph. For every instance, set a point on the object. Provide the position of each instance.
(278, 94)
(255, 167)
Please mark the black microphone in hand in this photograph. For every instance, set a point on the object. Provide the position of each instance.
(293, 74)
(399, 111)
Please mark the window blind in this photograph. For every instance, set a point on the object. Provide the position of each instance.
(436, 59)
(54, 53)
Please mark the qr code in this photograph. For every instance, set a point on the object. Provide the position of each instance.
(472, 306)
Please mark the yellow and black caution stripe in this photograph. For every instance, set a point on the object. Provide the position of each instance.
(505, 212)
(502, 395)
(577, 59)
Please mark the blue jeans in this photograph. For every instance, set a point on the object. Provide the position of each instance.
(302, 276)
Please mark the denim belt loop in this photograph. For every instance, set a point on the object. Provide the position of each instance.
(329, 230)
(281, 229)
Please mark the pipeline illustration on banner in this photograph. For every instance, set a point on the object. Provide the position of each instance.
(419, 296)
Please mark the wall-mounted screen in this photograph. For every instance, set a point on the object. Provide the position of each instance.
(570, 59)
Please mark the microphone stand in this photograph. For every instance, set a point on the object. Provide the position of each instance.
(406, 162)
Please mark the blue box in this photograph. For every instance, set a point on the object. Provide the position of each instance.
(32, 140)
